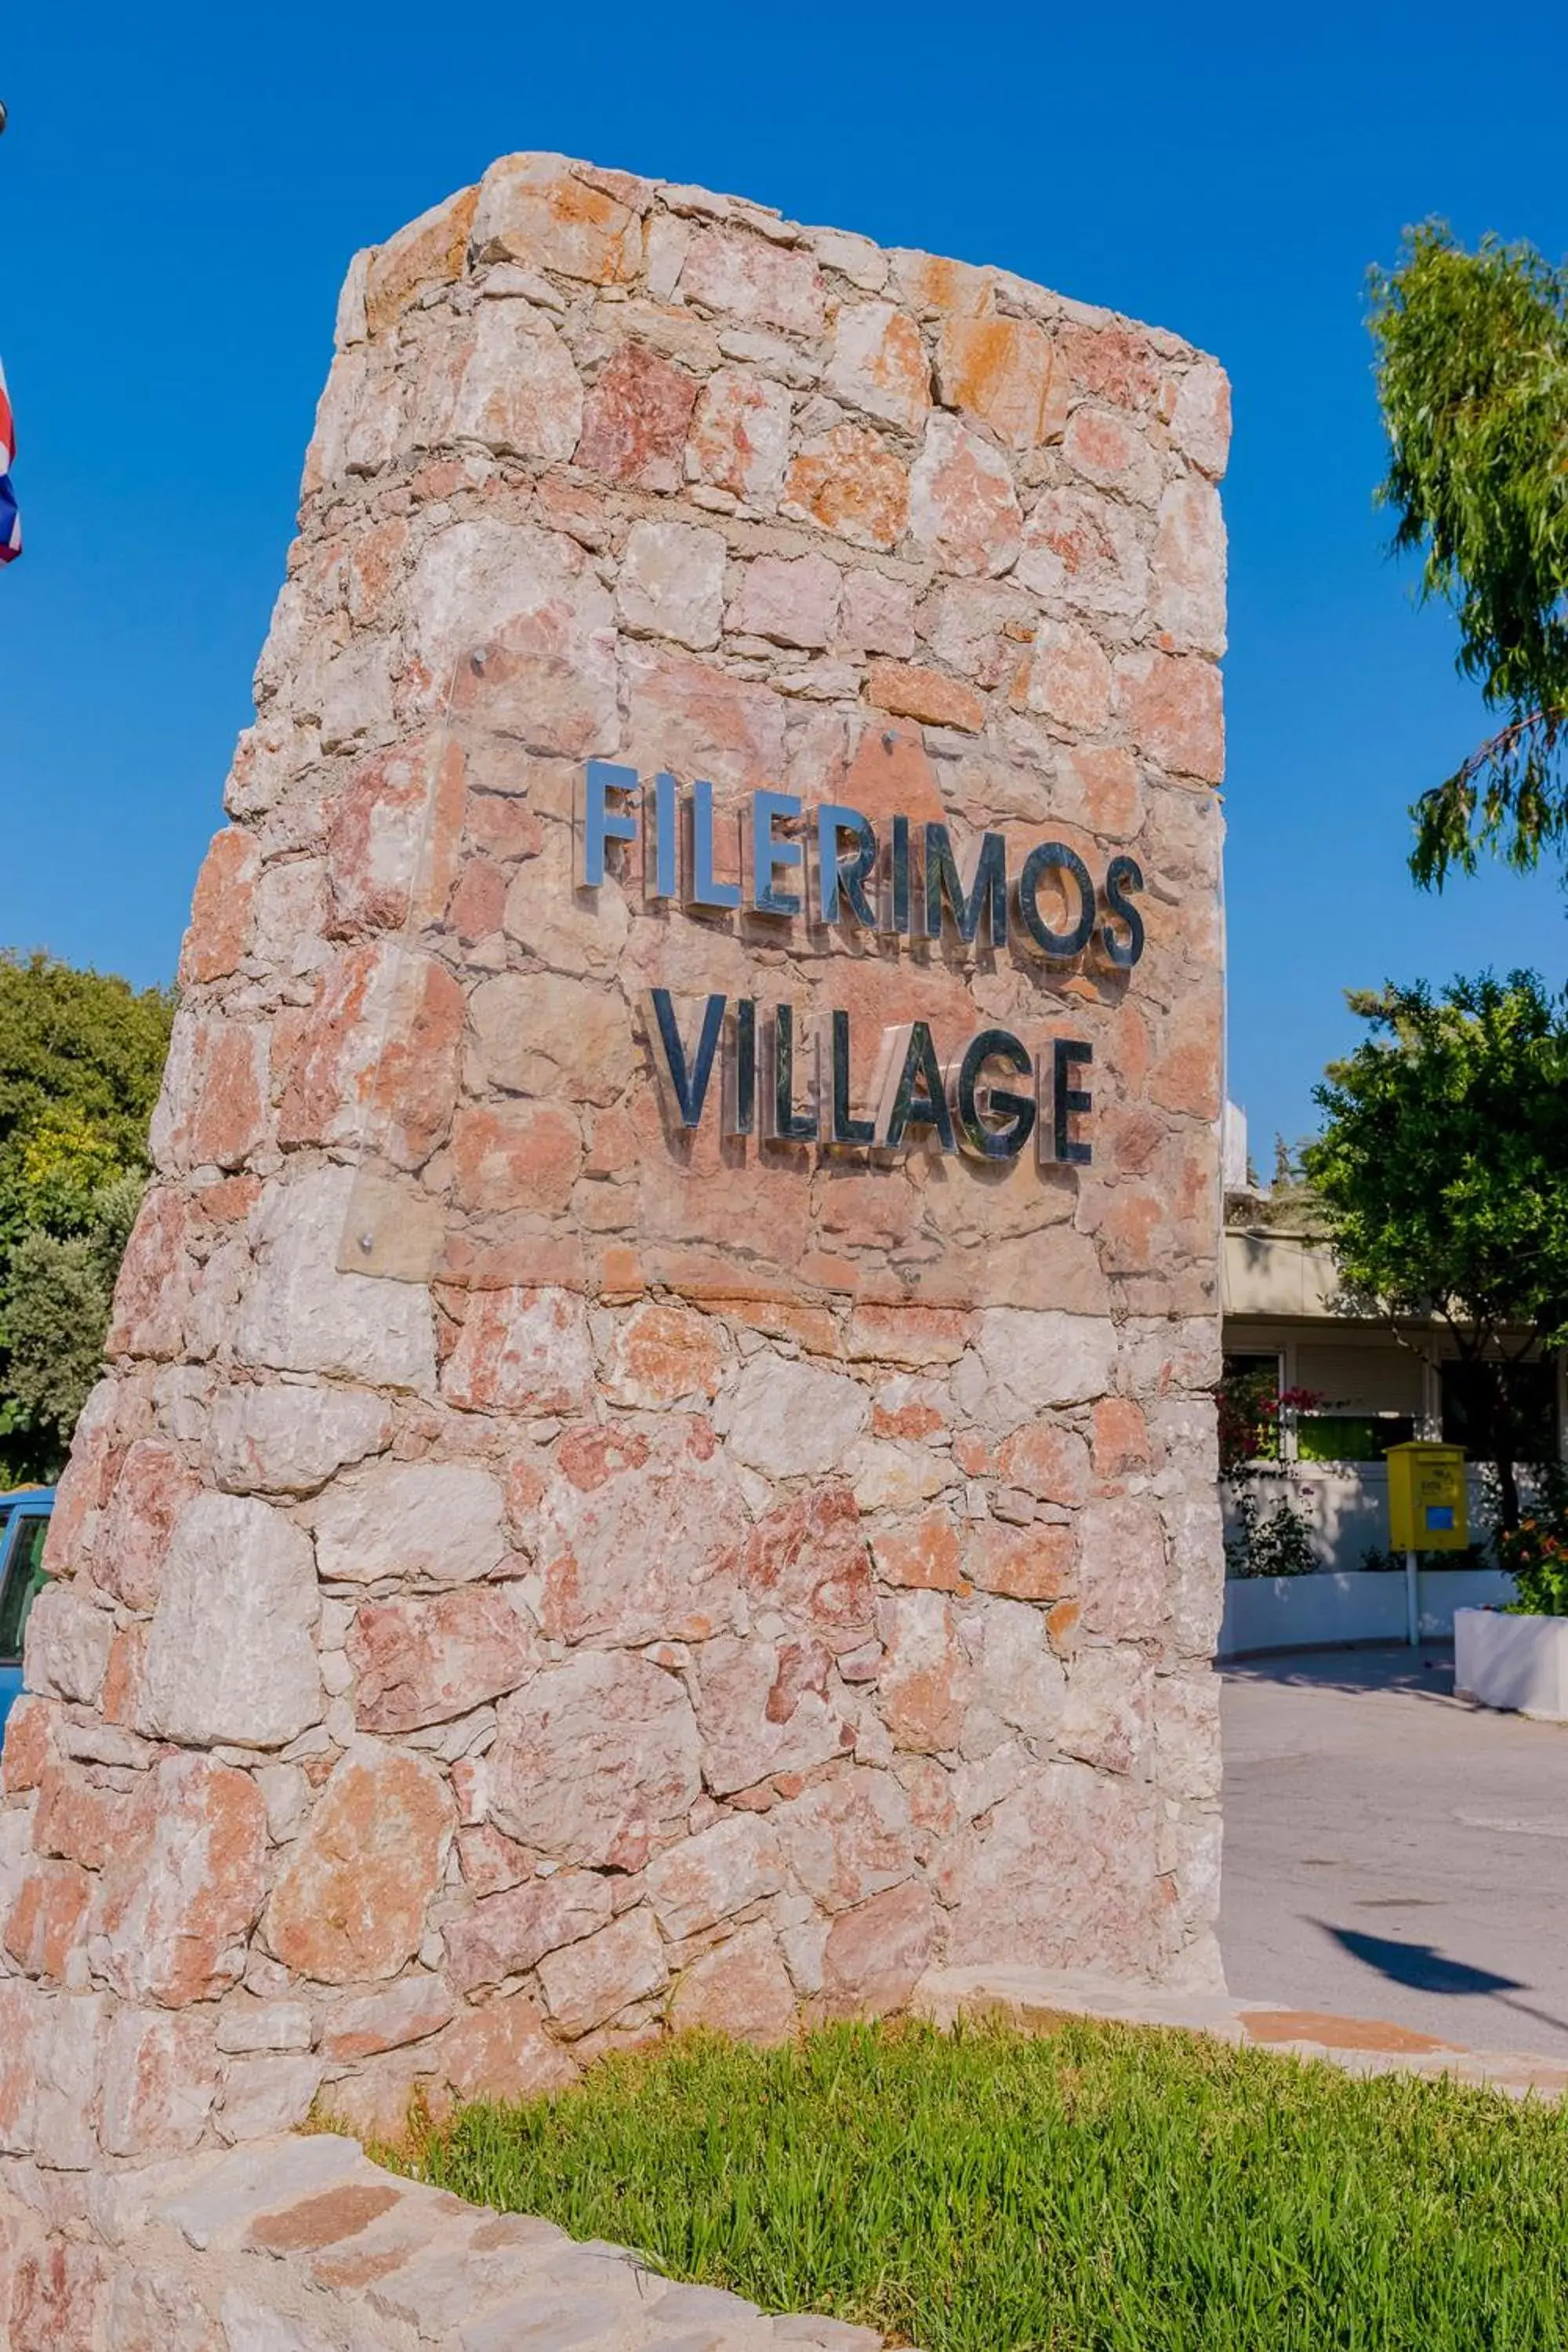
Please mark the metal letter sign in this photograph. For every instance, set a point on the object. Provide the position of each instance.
(873, 881)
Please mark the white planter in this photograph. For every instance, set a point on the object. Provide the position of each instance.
(1518, 1662)
(1323, 1612)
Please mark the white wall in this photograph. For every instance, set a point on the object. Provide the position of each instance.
(1319, 1612)
(1346, 1502)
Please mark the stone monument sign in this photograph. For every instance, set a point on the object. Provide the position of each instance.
(657, 1463)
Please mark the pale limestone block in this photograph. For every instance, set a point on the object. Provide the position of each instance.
(266, 2094)
(299, 1314)
(710, 1876)
(595, 1759)
(795, 1419)
(231, 1655)
(672, 581)
(289, 1438)
(432, 1523)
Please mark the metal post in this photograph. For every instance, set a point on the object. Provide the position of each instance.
(1411, 1601)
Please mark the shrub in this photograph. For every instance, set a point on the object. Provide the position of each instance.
(1269, 1542)
(1535, 1553)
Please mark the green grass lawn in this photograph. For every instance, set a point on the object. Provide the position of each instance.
(1103, 2187)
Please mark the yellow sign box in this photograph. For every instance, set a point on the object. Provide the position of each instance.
(1427, 1498)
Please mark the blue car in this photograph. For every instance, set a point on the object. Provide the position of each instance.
(24, 1523)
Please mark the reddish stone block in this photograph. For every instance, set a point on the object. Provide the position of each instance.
(415, 1089)
(1112, 453)
(160, 2079)
(915, 1336)
(122, 1677)
(1120, 1437)
(740, 436)
(410, 2010)
(849, 481)
(669, 1502)
(330, 1061)
(1047, 1462)
(926, 695)
(728, 269)
(491, 1863)
(924, 1555)
(479, 902)
(1061, 1626)
(1113, 797)
(594, 1980)
(55, 2296)
(372, 843)
(877, 363)
(29, 1744)
(964, 509)
(533, 210)
(876, 1955)
(848, 1838)
(909, 1418)
(597, 1760)
(44, 1922)
(430, 251)
(421, 1662)
(179, 1897)
(504, 2052)
(151, 1293)
(635, 420)
(663, 1353)
(223, 1115)
(1116, 363)
(78, 1820)
(742, 1989)
(1067, 678)
(508, 1934)
(794, 600)
(222, 910)
(876, 614)
(1173, 705)
(351, 1899)
(921, 1690)
(808, 1558)
(154, 1484)
(521, 1352)
(515, 1156)
(1032, 1563)
(1001, 370)
(1200, 417)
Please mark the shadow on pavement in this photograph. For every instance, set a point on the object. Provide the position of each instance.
(1426, 1673)
(1423, 1968)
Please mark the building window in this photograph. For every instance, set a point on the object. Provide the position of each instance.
(1350, 1436)
(1249, 1410)
(1471, 1411)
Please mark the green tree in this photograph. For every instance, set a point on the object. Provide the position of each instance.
(1472, 374)
(81, 1058)
(1441, 1173)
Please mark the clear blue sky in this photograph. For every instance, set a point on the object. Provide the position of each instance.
(180, 188)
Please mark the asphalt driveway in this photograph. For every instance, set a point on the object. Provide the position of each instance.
(1392, 1852)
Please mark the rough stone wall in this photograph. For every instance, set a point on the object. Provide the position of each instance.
(448, 1680)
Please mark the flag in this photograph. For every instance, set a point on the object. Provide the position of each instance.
(10, 520)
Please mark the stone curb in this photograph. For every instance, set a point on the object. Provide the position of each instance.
(1037, 1997)
(305, 2245)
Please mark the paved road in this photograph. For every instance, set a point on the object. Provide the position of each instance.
(1392, 1852)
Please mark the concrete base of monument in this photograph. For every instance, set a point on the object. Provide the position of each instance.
(305, 2245)
(1038, 1999)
